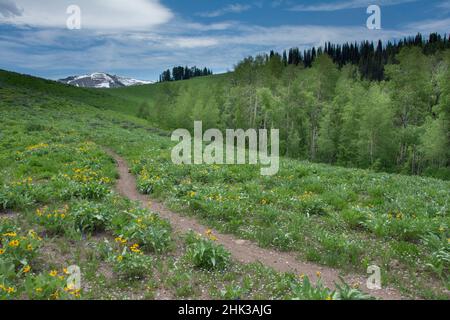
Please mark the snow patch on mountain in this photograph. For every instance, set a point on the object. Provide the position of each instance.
(102, 80)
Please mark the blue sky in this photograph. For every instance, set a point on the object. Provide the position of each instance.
(140, 38)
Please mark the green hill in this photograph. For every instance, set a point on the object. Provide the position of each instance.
(94, 97)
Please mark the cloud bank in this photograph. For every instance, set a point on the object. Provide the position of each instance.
(8, 9)
(95, 14)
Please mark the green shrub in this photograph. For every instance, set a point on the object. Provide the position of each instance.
(18, 248)
(90, 216)
(132, 265)
(205, 254)
(346, 292)
(354, 218)
(147, 229)
(50, 286)
(313, 206)
(18, 195)
(54, 221)
(439, 257)
(305, 290)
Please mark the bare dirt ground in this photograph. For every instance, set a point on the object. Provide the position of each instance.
(244, 251)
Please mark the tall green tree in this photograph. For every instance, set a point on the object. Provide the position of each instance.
(411, 90)
(318, 88)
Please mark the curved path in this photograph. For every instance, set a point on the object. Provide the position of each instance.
(243, 251)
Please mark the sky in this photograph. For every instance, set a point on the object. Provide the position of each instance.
(141, 38)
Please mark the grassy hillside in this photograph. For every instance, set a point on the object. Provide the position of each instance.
(126, 100)
(92, 97)
(325, 113)
(53, 166)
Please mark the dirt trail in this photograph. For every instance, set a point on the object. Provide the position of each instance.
(243, 251)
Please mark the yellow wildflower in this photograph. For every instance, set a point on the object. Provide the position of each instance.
(135, 248)
(75, 293)
(2, 251)
(32, 233)
(10, 234)
(26, 269)
(14, 243)
(318, 274)
(53, 273)
(121, 240)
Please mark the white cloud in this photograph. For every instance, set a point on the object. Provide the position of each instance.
(445, 6)
(428, 26)
(343, 5)
(232, 8)
(9, 9)
(219, 26)
(192, 42)
(95, 14)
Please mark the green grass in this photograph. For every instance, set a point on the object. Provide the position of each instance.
(58, 180)
(339, 217)
(344, 218)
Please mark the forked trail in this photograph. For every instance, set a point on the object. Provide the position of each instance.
(243, 251)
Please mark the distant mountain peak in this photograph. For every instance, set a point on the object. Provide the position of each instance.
(102, 80)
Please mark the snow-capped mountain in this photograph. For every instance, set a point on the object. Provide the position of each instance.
(102, 80)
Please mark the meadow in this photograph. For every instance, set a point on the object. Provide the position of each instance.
(59, 208)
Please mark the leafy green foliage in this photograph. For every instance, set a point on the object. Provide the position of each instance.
(205, 254)
(132, 265)
(145, 228)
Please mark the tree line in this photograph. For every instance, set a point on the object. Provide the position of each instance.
(183, 73)
(370, 57)
(328, 112)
